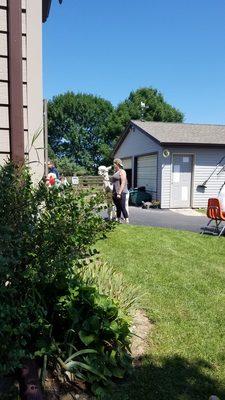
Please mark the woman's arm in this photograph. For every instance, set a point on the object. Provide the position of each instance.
(123, 178)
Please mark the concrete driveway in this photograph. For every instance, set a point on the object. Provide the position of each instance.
(188, 220)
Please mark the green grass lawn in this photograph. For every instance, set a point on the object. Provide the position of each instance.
(183, 277)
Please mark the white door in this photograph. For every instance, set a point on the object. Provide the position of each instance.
(147, 172)
(181, 181)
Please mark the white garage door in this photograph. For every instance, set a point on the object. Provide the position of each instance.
(147, 172)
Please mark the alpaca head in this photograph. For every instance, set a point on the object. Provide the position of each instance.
(104, 171)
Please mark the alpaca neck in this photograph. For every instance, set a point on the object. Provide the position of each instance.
(106, 182)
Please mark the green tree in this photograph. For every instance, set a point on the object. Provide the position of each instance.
(68, 167)
(156, 108)
(81, 127)
(84, 127)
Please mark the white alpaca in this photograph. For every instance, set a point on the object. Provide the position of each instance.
(104, 172)
(108, 186)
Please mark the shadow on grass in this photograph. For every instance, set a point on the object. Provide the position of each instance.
(172, 378)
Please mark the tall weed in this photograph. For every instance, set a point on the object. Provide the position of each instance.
(113, 284)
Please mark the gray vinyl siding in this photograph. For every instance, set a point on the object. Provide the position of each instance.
(24, 48)
(24, 71)
(204, 162)
(4, 97)
(3, 158)
(32, 83)
(165, 181)
(3, 19)
(3, 69)
(137, 144)
(5, 144)
(4, 80)
(3, 44)
(4, 117)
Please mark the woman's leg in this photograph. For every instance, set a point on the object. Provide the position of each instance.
(123, 205)
(127, 202)
(117, 203)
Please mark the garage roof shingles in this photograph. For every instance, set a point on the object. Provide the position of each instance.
(179, 133)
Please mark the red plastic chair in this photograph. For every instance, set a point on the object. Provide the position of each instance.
(214, 213)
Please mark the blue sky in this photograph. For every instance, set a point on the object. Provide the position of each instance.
(111, 47)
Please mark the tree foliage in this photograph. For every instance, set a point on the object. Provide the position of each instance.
(84, 127)
(80, 127)
(67, 166)
(156, 108)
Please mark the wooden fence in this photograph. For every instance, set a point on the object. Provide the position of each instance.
(89, 181)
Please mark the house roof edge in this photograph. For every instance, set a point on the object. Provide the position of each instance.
(46, 5)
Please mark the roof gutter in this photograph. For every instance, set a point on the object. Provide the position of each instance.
(180, 144)
(46, 5)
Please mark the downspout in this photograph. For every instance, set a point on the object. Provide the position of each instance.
(16, 124)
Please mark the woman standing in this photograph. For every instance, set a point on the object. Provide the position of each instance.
(120, 190)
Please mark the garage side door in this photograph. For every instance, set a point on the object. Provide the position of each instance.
(147, 172)
(181, 181)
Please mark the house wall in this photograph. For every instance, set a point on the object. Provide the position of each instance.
(136, 144)
(205, 161)
(4, 97)
(32, 84)
(34, 87)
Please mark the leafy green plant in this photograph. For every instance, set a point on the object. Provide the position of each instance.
(8, 390)
(43, 234)
(112, 283)
(96, 322)
(46, 310)
(74, 366)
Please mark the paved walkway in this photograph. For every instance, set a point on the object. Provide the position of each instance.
(189, 220)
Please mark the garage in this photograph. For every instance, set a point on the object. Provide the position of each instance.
(147, 172)
(180, 165)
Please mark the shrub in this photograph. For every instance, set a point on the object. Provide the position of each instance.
(43, 234)
(45, 308)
